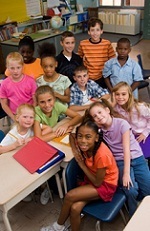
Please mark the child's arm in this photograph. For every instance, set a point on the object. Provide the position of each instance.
(4, 103)
(126, 149)
(79, 107)
(38, 132)
(134, 85)
(63, 98)
(18, 143)
(76, 118)
(108, 83)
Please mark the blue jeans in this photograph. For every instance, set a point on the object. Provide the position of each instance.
(140, 176)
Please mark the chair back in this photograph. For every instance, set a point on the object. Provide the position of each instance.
(2, 135)
(140, 61)
(73, 172)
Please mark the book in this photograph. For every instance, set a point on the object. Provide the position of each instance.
(63, 139)
(35, 154)
(53, 161)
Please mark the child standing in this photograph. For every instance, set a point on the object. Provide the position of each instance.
(123, 68)
(60, 83)
(136, 113)
(22, 131)
(95, 51)
(48, 112)
(134, 175)
(18, 88)
(84, 90)
(67, 59)
(32, 66)
(101, 176)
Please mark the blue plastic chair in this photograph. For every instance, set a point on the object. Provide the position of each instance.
(102, 211)
(2, 135)
(145, 72)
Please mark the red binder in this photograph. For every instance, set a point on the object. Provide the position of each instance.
(35, 154)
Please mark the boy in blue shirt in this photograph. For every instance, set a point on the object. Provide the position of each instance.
(67, 59)
(85, 90)
(123, 68)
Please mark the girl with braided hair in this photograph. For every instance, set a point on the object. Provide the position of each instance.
(101, 175)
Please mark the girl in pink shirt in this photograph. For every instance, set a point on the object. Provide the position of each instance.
(136, 113)
(17, 88)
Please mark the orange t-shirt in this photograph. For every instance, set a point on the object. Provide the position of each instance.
(104, 159)
(32, 69)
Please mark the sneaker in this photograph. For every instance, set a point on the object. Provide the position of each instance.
(44, 198)
(53, 228)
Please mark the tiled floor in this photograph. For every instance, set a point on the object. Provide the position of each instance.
(32, 215)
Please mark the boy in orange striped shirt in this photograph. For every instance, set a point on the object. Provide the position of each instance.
(95, 51)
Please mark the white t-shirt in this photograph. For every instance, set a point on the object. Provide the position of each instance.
(13, 134)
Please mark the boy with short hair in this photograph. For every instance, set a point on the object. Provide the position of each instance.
(95, 51)
(123, 68)
(84, 91)
(67, 59)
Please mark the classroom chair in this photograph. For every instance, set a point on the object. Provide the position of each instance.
(100, 210)
(145, 72)
(143, 84)
(2, 135)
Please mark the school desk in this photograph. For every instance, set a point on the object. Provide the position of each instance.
(17, 183)
(140, 220)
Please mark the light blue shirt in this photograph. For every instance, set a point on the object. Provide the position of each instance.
(130, 72)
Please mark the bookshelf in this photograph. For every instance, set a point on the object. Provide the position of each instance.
(121, 22)
(7, 29)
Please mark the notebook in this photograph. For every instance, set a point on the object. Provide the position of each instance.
(35, 154)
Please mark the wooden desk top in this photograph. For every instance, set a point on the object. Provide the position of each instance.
(141, 218)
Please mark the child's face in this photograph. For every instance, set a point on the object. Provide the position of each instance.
(123, 49)
(26, 118)
(121, 96)
(81, 77)
(68, 44)
(100, 115)
(15, 69)
(46, 103)
(86, 138)
(95, 33)
(49, 65)
(27, 53)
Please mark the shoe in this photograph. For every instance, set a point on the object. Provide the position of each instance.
(53, 228)
(27, 199)
(44, 198)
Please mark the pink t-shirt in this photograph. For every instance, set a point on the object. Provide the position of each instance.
(18, 92)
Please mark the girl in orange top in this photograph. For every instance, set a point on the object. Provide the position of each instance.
(32, 66)
(100, 169)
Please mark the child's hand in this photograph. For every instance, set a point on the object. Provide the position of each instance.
(141, 137)
(127, 182)
(19, 142)
(28, 139)
(61, 130)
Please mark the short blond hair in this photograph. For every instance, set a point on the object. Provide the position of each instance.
(23, 106)
(14, 56)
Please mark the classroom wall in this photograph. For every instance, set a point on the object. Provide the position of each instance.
(14, 9)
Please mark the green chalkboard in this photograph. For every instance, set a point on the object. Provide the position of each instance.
(146, 28)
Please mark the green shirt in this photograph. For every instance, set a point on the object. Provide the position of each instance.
(58, 109)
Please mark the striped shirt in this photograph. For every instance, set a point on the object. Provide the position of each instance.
(95, 55)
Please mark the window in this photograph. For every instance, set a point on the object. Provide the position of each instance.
(139, 3)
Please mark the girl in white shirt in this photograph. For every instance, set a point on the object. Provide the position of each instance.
(22, 131)
(136, 113)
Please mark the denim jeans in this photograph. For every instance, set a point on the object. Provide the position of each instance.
(140, 176)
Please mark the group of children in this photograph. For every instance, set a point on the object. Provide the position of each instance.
(65, 84)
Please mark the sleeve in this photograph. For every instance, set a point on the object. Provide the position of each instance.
(72, 97)
(67, 82)
(104, 157)
(107, 69)
(145, 112)
(80, 51)
(3, 91)
(9, 139)
(111, 52)
(125, 126)
(33, 87)
(98, 91)
(137, 72)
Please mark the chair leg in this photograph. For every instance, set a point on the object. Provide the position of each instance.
(50, 194)
(148, 90)
(98, 226)
(123, 216)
